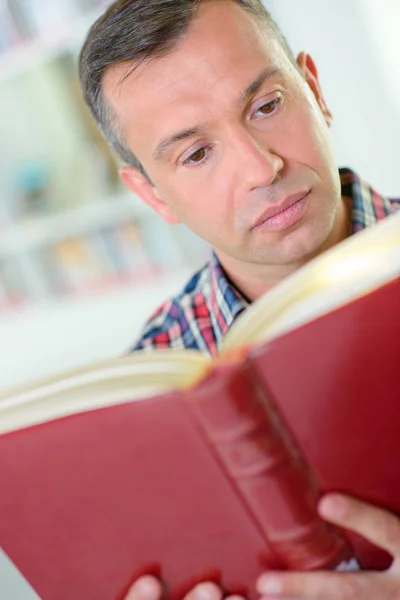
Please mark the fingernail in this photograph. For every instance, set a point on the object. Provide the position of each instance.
(204, 591)
(333, 506)
(268, 584)
(146, 588)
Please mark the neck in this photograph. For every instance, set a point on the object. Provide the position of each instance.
(254, 280)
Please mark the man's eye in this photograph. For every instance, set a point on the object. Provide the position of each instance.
(269, 107)
(196, 157)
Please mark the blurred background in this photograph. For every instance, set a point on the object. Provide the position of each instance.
(82, 261)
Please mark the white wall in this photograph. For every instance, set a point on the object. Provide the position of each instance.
(383, 22)
(356, 45)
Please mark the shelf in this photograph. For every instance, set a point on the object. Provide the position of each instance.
(130, 284)
(40, 231)
(33, 53)
(57, 335)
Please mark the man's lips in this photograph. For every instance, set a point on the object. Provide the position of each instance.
(278, 210)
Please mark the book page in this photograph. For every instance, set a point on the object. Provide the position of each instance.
(136, 377)
(353, 268)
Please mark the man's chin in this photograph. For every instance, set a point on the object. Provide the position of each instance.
(297, 250)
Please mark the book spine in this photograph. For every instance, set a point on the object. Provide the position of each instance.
(267, 470)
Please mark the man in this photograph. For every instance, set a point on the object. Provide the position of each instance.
(223, 129)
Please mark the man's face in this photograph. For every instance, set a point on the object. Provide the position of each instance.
(232, 137)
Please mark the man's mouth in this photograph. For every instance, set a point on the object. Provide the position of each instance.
(284, 214)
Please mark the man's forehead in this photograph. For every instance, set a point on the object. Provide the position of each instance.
(219, 28)
(223, 51)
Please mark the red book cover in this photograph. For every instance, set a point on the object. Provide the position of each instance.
(218, 479)
(336, 384)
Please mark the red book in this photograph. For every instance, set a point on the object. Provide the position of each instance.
(192, 469)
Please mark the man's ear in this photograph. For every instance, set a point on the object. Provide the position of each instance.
(308, 68)
(138, 183)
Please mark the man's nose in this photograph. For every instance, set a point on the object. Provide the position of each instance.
(256, 164)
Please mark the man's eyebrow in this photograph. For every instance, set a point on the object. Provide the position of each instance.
(252, 89)
(163, 146)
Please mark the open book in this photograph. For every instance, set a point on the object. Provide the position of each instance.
(192, 468)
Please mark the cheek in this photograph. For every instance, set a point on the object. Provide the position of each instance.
(198, 206)
(306, 134)
(317, 140)
(201, 198)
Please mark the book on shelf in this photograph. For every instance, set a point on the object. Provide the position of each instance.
(97, 260)
(16, 21)
(193, 468)
(14, 291)
(9, 34)
(68, 263)
(124, 246)
(80, 263)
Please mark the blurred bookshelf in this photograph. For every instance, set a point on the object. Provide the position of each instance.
(32, 34)
(68, 229)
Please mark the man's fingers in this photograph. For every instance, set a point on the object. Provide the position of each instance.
(374, 524)
(318, 585)
(205, 591)
(145, 588)
(150, 588)
(282, 598)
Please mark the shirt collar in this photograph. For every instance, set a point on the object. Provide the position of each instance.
(225, 300)
(368, 206)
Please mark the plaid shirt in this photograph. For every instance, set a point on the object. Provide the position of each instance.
(203, 311)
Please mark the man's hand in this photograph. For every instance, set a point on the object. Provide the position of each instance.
(148, 588)
(376, 525)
